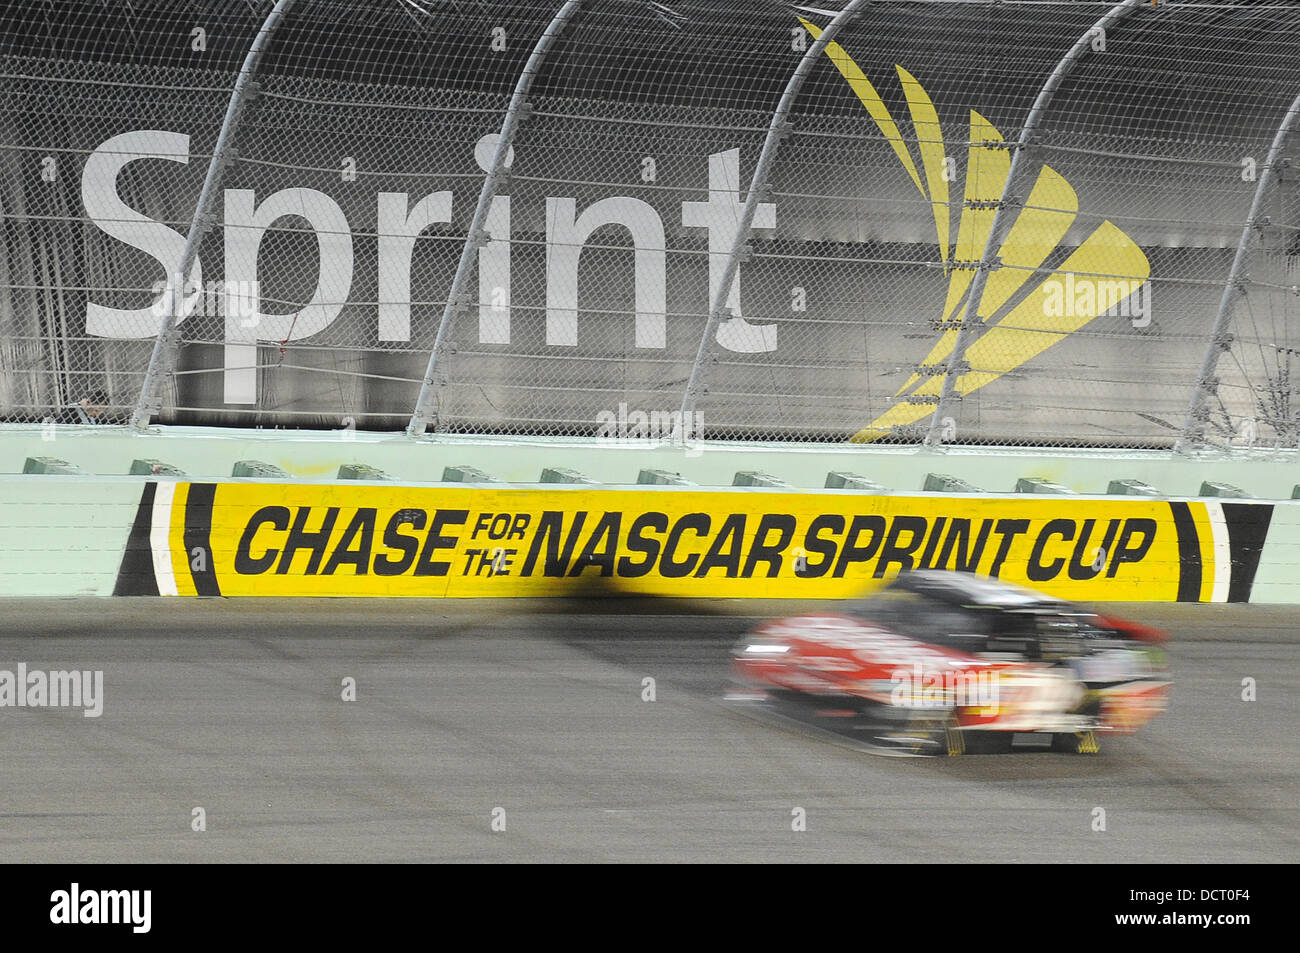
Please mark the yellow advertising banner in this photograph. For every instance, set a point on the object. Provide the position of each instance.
(350, 539)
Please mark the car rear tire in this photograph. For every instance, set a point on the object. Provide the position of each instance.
(949, 740)
(1076, 742)
(925, 736)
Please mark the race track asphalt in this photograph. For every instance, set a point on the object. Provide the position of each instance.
(537, 709)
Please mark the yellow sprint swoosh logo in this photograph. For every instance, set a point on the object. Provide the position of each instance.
(1108, 256)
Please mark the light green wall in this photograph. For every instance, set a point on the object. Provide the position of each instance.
(1278, 577)
(64, 536)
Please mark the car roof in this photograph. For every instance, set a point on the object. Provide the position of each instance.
(970, 589)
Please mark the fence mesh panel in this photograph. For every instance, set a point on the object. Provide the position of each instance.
(85, 87)
(345, 202)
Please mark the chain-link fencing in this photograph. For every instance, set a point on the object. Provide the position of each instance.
(87, 88)
(1138, 134)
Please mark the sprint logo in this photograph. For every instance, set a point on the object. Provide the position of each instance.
(1015, 324)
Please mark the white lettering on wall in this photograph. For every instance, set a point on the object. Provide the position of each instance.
(114, 217)
(245, 227)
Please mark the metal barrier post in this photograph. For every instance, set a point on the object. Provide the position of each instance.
(777, 130)
(167, 345)
(1193, 434)
(975, 293)
(422, 416)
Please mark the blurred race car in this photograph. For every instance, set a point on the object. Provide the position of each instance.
(951, 663)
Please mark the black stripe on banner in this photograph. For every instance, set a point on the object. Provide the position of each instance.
(1189, 553)
(1247, 529)
(135, 576)
(198, 532)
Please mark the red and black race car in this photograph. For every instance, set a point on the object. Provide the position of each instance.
(951, 663)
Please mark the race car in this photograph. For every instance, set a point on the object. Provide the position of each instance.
(949, 663)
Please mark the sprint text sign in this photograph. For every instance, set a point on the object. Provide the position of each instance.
(247, 216)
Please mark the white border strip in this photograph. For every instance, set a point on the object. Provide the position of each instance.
(1222, 551)
(159, 538)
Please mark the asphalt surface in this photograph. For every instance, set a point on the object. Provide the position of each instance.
(537, 710)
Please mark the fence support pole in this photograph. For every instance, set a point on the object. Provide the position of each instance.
(777, 130)
(1193, 434)
(971, 318)
(423, 416)
(166, 346)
